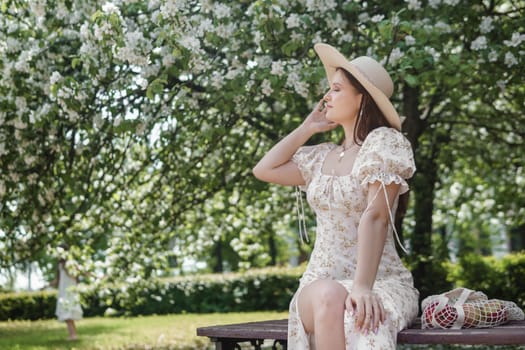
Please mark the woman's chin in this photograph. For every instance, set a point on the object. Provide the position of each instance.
(333, 120)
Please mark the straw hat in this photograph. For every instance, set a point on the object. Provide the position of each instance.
(374, 78)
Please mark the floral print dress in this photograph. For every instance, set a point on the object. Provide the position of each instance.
(339, 202)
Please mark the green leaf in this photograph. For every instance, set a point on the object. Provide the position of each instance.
(411, 80)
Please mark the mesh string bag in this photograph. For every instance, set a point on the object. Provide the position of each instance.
(465, 308)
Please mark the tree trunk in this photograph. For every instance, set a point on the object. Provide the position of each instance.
(272, 248)
(218, 268)
(423, 185)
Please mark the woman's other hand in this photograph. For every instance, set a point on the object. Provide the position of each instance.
(366, 308)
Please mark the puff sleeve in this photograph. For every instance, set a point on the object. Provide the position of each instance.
(386, 156)
(307, 160)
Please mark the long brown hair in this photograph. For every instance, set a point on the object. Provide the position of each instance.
(370, 117)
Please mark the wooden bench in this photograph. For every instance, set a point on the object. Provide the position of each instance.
(228, 337)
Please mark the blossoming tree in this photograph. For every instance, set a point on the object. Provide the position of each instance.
(129, 128)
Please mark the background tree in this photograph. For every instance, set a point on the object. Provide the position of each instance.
(129, 128)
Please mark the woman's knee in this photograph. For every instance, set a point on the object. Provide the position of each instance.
(329, 298)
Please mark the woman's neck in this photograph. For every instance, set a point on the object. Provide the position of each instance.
(349, 133)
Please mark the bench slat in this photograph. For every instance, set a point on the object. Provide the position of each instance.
(512, 333)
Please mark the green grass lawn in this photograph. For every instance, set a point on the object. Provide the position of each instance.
(169, 332)
(172, 332)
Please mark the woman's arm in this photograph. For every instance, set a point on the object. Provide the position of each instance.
(276, 166)
(371, 237)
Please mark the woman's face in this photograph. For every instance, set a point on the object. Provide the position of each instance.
(342, 100)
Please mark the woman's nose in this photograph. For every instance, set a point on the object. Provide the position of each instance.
(326, 96)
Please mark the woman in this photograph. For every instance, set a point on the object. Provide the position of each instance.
(355, 292)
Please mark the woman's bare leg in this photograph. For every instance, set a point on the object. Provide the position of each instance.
(71, 329)
(321, 308)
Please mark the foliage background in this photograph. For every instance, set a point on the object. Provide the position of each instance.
(128, 129)
(260, 289)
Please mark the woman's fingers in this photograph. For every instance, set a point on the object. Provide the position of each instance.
(369, 316)
(320, 105)
(368, 312)
(360, 312)
(349, 306)
(378, 315)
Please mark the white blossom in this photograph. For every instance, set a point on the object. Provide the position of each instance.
(233, 73)
(22, 65)
(217, 80)
(363, 17)
(12, 45)
(55, 78)
(493, 56)
(38, 7)
(198, 65)
(88, 49)
(515, 40)
(443, 27)
(433, 52)
(320, 5)
(19, 124)
(168, 60)
(264, 61)
(336, 23)
(510, 59)
(293, 21)
(395, 56)
(225, 30)
(377, 18)
(205, 26)
(110, 8)
(221, 10)
(410, 40)
(249, 84)
(117, 121)
(451, 2)
(395, 20)
(99, 32)
(172, 8)
(413, 4)
(486, 25)
(277, 68)
(266, 87)
(347, 38)
(479, 44)
(297, 36)
(30, 160)
(434, 3)
(257, 37)
(21, 104)
(191, 43)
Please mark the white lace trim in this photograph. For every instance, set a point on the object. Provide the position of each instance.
(387, 179)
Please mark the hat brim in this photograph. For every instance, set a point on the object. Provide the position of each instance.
(333, 59)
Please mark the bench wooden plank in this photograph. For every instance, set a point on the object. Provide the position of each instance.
(512, 333)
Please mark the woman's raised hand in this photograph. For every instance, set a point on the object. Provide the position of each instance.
(316, 121)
